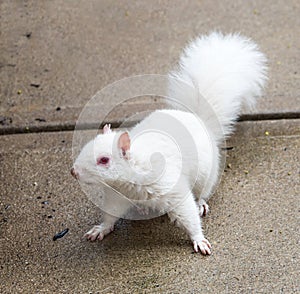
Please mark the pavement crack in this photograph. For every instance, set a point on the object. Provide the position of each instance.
(45, 126)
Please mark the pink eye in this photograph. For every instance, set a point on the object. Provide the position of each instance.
(103, 160)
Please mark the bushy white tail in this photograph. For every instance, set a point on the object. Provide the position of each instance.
(227, 70)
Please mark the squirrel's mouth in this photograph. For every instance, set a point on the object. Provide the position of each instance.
(74, 173)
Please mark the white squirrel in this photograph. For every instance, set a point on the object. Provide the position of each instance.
(229, 72)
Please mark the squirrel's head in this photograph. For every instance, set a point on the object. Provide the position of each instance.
(103, 159)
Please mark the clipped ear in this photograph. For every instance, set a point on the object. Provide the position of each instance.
(124, 143)
(106, 129)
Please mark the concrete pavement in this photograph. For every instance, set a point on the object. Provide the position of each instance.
(253, 225)
(55, 55)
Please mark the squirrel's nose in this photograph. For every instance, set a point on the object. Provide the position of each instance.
(74, 173)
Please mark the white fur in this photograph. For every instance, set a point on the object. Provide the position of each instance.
(229, 72)
(173, 161)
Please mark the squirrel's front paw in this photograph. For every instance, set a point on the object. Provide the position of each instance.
(203, 245)
(203, 208)
(98, 232)
(143, 210)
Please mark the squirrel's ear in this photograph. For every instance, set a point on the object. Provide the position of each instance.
(106, 129)
(124, 143)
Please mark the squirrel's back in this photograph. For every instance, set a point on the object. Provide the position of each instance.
(229, 71)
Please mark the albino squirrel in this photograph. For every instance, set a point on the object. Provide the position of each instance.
(229, 72)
